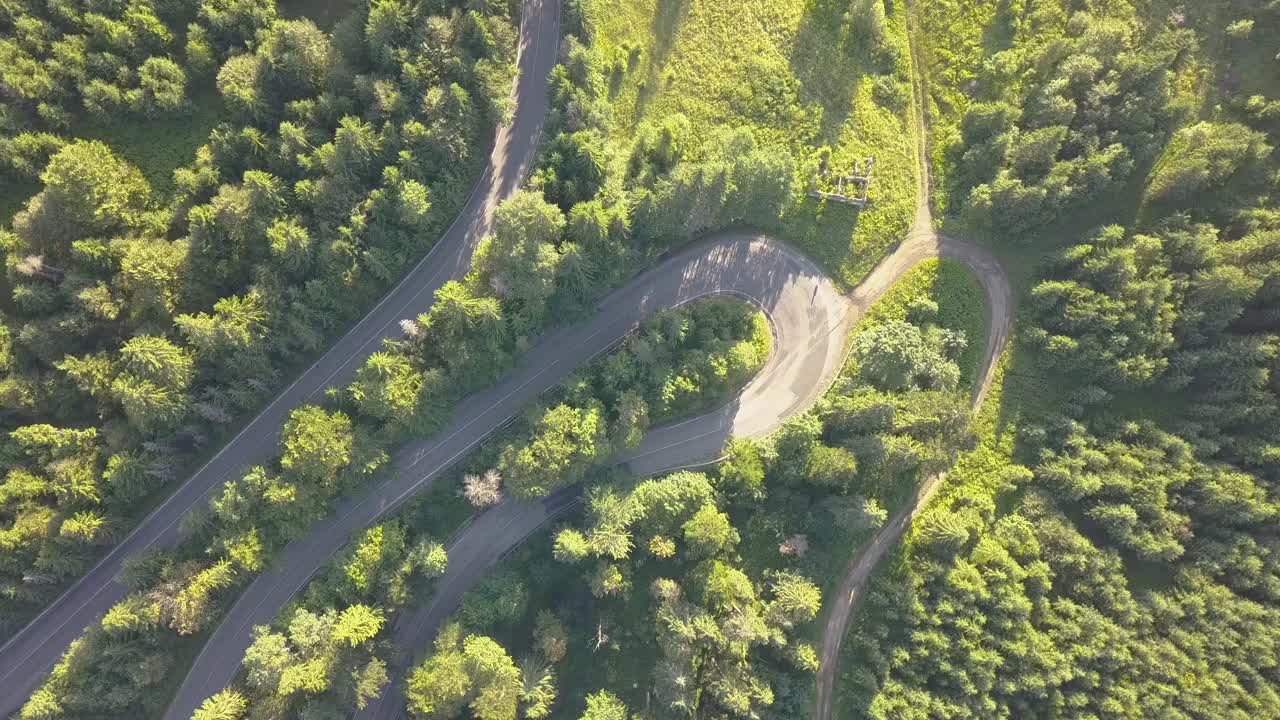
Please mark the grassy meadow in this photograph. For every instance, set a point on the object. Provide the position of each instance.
(798, 73)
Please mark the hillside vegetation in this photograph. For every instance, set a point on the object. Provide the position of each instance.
(147, 315)
(1110, 547)
(636, 172)
(695, 593)
(199, 195)
(825, 81)
(326, 653)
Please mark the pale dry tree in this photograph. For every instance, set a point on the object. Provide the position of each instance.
(795, 546)
(410, 329)
(500, 286)
(484, 490)
(213, 412)
(30, 265)
(35, 266)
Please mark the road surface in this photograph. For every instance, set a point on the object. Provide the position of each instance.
(810, 330)
(810, 320)
(921, 240)
(809, 317)
(28, 656)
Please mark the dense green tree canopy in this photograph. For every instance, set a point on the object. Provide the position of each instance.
(1044, 139)
(1113, 316)
(711, 621)
(1129, 568)
(88, 191)
(161, 315)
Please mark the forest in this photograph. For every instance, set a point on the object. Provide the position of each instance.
(1104, 543)
(1110, 547)
(327, 654)
(143, 324)
(694, 593)
(215, 291)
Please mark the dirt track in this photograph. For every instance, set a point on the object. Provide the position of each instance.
(922, 242)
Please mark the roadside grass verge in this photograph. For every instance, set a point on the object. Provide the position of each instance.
(952, 44)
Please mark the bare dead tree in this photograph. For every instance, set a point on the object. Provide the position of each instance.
(795, 546)
(601, 637)
(35, 266)
(483, 491)
(500, 286)
(410, 329)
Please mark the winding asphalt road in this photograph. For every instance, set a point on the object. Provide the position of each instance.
(809, 317)
(29, 654)
(494, 533)
(922, 241)
(810, 320)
